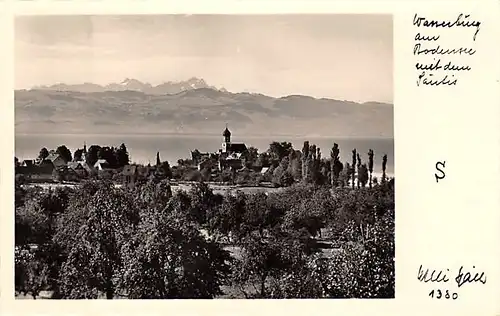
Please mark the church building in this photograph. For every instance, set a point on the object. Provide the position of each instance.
(231, 149)
(229, 155)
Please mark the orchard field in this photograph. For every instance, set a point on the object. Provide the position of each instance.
(96, 240)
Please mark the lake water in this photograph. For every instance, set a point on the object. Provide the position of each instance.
(142, 148)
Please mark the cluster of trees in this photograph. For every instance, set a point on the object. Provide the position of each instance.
(62, 151)
(308, 166)
(100, 241)
(280, 256)
(115, 156)
(146, 242)
(286, 167)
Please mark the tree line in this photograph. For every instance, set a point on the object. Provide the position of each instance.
(114, 156)
(288, 165)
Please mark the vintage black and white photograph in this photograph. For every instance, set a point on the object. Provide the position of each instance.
(204, 156)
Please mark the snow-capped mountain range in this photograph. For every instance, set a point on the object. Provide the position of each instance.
(128, 84)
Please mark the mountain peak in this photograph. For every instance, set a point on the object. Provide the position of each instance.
(196, 80)
(128, 80)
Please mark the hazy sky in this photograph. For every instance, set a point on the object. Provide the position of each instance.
(335, 56)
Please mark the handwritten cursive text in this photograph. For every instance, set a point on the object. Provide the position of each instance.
(428, 80)
(418, 50)
(427, 275)
(466, 277)
(460, 21)
(434, 64)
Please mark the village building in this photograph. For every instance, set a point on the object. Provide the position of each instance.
(199, 157)
(231, 162)
(82, 169)
(102, 164)
(54, 166)
(41, 169)
(230, 153)
(228, 156)
(55, 159)
(36, 172)
(229, 148)
(207, 163)
(75, 166)
(46, 165)
(264, 170)
(87, 167)
(143, 172)
(65, 173)
(104, 170)
(28, 163)
(129, 175)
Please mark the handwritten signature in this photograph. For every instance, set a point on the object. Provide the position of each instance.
(462, 277)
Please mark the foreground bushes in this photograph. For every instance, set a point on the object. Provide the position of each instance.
(100, 241)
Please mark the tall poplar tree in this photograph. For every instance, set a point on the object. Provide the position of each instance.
(305, 155)
(334, 165)
(158, 161)
(370, 165)
(353, 167)
(384, 165)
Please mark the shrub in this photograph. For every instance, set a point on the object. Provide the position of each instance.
(31, 273)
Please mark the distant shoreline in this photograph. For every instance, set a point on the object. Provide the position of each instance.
(143, 147)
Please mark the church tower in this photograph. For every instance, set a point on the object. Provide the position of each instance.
(227, 140)
(84, 154)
